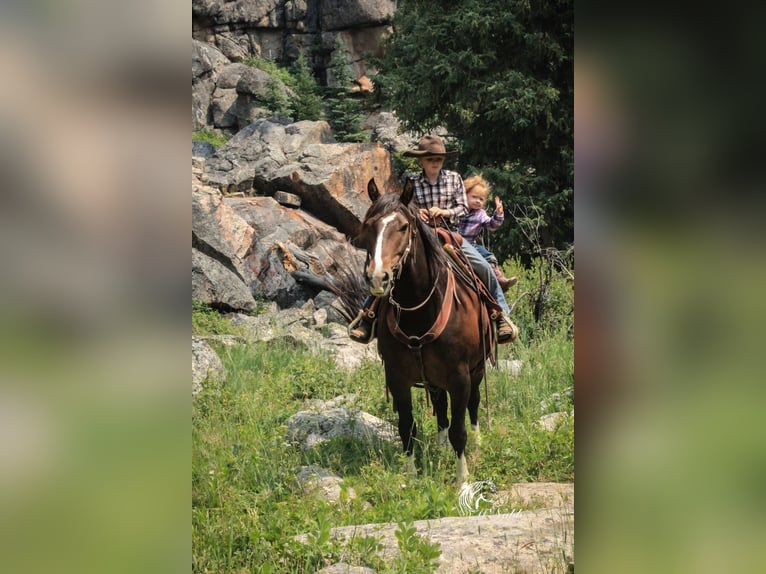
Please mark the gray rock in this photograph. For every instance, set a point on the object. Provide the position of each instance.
(310, 428)
(302, 158)
(218, 286)
(342, 14)
(528, 541)
(323, 484)
(202, 149)
(343, 568)
(551, 421)
(206, 365)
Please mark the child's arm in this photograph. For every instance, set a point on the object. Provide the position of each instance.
(498, 217)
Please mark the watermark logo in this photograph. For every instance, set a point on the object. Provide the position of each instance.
(475, 498)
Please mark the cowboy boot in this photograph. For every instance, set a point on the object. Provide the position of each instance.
(362, 328)
(507, 331)
(505, 282)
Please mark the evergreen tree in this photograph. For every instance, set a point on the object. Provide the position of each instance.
(344, 113)
(307, 104)
(276, 99)
(498, 75)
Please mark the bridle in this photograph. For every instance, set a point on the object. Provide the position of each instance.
(394, 316)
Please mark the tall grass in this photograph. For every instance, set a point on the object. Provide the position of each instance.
(247, 504)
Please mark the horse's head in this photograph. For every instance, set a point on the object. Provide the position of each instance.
(387, 233)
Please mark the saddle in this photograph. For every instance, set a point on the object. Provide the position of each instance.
(452, 242)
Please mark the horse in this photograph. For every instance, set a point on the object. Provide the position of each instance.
(432, 327)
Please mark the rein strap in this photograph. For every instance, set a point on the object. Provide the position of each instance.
(413, 341)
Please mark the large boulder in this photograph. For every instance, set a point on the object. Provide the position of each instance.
(280, 30)
(218, 286)
(280, 233)
(342, 14)
(310, 428)
(303, 158)
(206, 63)
(219, 232)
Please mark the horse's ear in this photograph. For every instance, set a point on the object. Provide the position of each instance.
(407, 192)
(372, 190)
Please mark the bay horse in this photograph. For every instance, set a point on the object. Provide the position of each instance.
(432, 327)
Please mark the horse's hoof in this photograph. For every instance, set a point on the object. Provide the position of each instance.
(462, 471)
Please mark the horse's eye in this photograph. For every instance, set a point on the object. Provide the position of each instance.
(404, 227)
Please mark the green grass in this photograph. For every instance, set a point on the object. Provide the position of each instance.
(210, 136)
(247, 504)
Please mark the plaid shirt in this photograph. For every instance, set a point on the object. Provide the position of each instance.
(471, 225)
(447, 193)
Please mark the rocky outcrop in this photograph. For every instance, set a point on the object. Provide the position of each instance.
(540, 539)
(245, 240)
(279, 30)
(302, 158)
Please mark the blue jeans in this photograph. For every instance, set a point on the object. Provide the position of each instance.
(485, 273)
(486, 254)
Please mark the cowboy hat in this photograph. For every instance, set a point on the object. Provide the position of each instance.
(429, 146)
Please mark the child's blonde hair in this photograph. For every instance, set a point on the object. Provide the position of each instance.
(476, 183)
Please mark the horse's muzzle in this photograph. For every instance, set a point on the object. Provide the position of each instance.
(379, 282)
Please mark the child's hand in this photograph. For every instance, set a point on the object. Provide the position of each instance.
(498, 204)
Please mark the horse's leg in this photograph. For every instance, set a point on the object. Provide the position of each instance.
(474, 400)
(439, 400)
(457, 434)
(408, 430)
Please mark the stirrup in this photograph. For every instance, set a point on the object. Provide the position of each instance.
(364, 320)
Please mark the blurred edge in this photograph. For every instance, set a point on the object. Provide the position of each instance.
(671, 454)
(94, 231)
(94, 442)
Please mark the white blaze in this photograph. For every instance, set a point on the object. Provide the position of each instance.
(378, 258)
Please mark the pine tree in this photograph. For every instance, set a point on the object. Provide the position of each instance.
(344, 113)
(498, 74)
(307, 104)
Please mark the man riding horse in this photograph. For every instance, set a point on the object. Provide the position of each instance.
(439, 195)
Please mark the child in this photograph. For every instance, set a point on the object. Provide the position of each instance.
(441, 193)
(471, 225)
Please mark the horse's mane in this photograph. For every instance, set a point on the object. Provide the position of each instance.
(390, 202)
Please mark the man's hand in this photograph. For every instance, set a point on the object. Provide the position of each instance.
(438, 211)
(432, 213)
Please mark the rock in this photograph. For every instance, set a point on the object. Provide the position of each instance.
(216, 285)
(287, 199)
(348, 354)
(202, 149)
(291, 325)
(310, 428)
(386, 130)
(343, 568)
(323, 483)
(205, 364)
(302, 158)
(206, 61)
(343, 14)
(279, 233)
(527, 541)
(219, 232)
(552, 420)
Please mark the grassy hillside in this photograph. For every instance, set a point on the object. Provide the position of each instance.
(247, 504)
